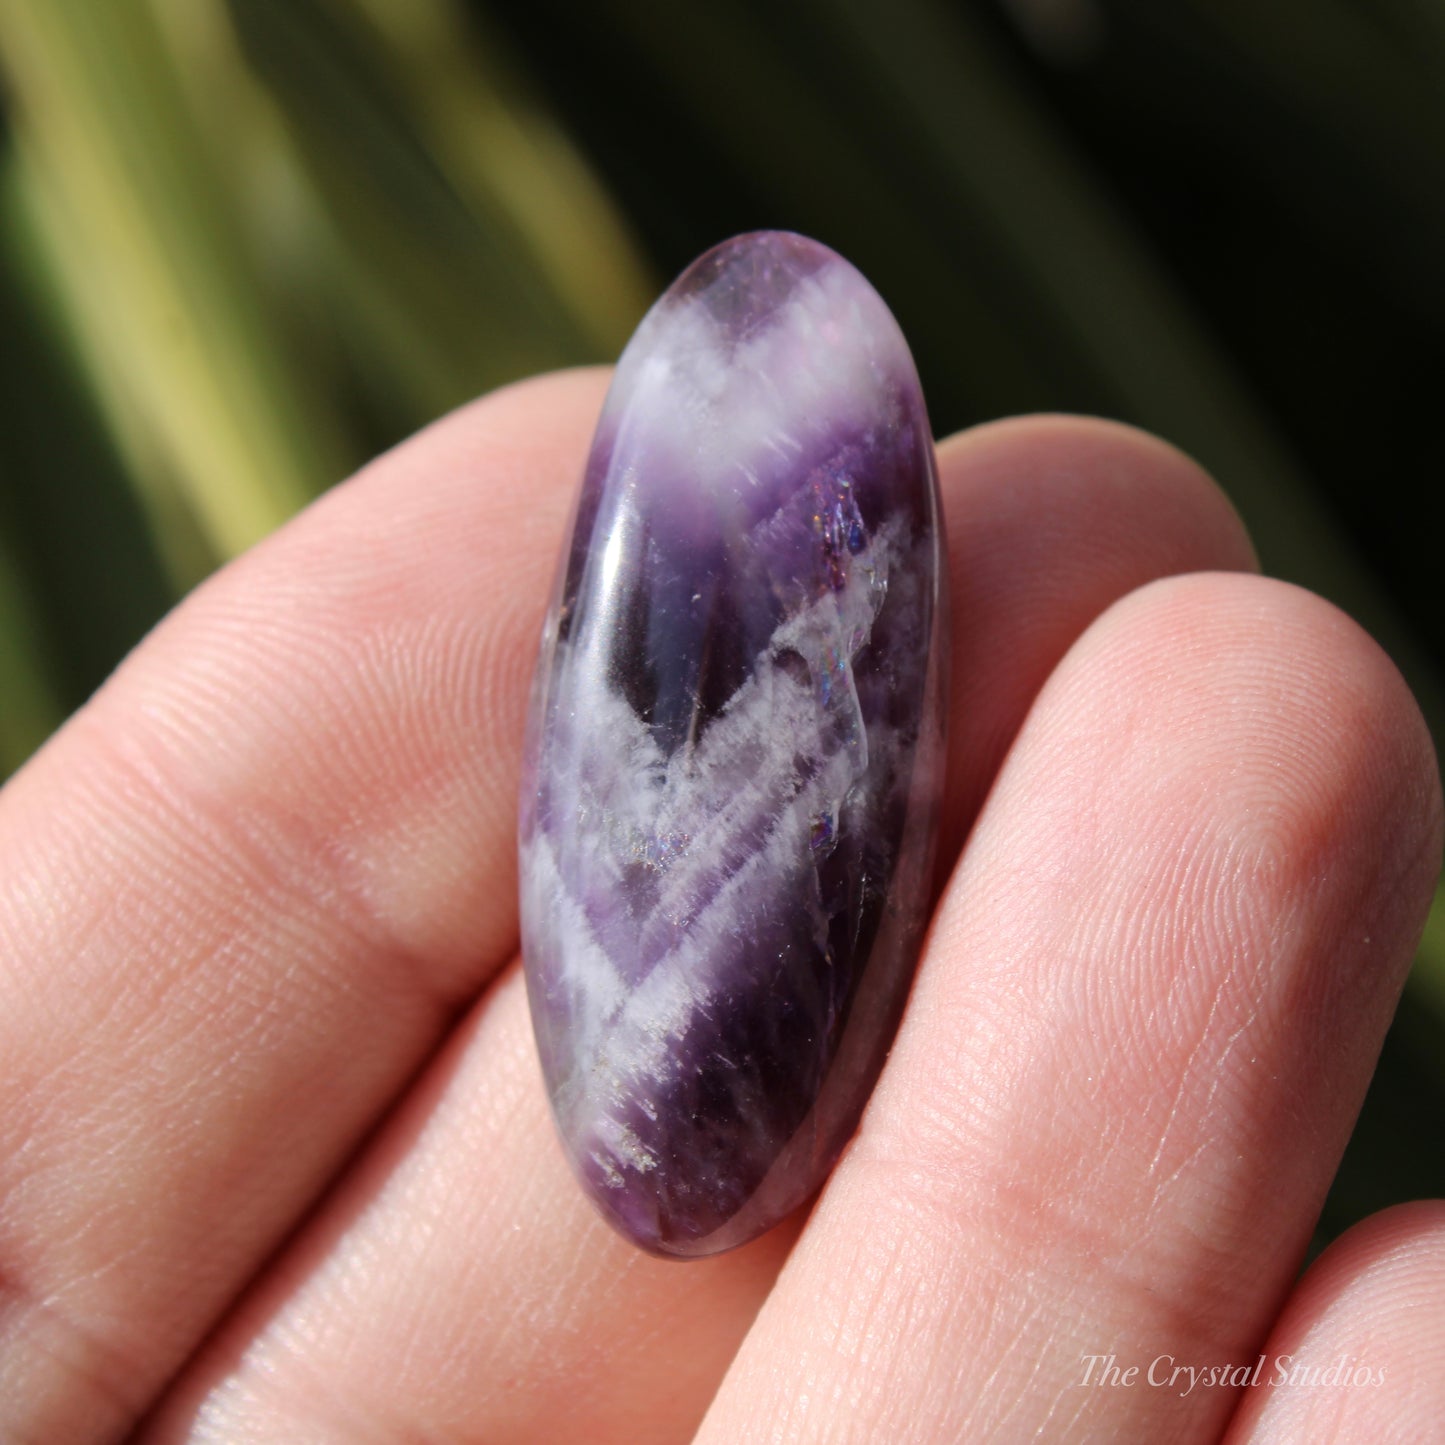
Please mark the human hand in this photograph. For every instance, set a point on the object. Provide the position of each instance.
(275, 1158)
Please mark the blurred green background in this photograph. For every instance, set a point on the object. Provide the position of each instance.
(246, 244)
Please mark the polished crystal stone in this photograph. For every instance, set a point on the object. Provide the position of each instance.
(735, 748)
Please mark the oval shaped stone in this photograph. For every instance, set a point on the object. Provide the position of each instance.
(735, 750)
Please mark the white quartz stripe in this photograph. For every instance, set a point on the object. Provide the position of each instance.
(735, 801)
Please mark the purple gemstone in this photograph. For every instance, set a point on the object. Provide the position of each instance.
(735, 751)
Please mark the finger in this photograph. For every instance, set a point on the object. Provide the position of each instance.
(246, 889)
(1050, 520)
(510, 1313)
(1146, 1016)
(1358, 1352)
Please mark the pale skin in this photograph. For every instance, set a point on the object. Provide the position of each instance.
(275, 1158)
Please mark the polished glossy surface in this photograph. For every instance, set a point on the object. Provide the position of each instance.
(735, 750)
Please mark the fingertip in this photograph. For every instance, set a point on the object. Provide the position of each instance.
(1304, 697)
(553, 404)
(1139, 477)
(1282, 772)
(1355, 1354)
(1395, 1239)
(1049, 521)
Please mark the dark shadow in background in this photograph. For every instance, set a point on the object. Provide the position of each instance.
(1308, 240)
